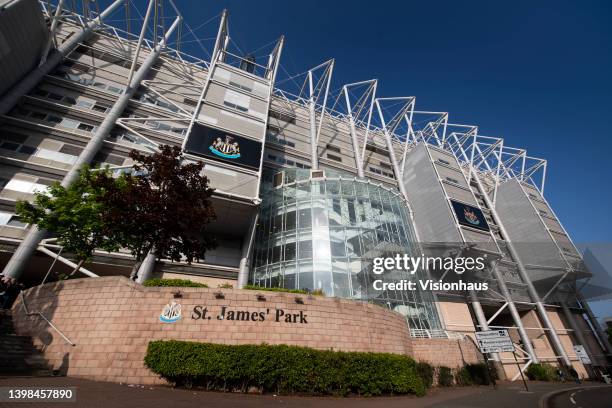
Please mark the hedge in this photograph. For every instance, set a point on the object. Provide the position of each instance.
(542, 372)
(426, 372)
(445, 376)
(186, 283)
(283, 369)
(479, 374)
(317, 292)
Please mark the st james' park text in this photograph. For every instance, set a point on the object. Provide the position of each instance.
(278, 315)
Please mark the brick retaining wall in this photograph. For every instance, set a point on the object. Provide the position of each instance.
(112, 319)
(446, 352)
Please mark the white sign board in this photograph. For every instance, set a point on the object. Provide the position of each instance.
(582, 354)
(494, 341)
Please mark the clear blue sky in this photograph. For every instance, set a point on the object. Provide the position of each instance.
(538, 74)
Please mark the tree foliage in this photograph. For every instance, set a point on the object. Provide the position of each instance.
(163, 205)
(72, 214)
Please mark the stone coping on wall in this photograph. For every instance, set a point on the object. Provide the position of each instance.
(111, 320)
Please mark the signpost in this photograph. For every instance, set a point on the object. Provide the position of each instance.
(582, 354)
(494, 341)
(498, 341)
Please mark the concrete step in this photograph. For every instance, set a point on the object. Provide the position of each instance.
(18, 354)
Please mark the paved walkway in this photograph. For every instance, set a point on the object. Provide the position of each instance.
(92, 394)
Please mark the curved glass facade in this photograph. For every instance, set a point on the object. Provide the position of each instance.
(324, 233)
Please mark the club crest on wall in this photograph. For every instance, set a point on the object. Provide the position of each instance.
(228, 148)
(170, 313)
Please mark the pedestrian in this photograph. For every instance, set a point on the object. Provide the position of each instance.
(560, 375)
(574, 374)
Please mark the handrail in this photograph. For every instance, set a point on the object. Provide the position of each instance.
(28, 313)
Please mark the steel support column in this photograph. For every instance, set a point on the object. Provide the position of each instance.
(599, 332)
(554, 337)
(571, 319)
(10, 99)
(28, 246)
(484, 325)
(314, 151)
(145, 271)
(396, 169)
(515, 314)
(247, 246)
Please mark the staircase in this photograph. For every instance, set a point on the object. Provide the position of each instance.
(18, 355)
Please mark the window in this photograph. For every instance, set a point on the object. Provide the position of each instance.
(333, 148)
(375, 149)
(54, 119)
(98, 107)
(542, 212)
(9, 146)
(272, 136)
(442, 161)
(27, 149)
(69, 123)
(38, 115)
(288, 117)
(84, 104)
(381, 172)
(452, 180)
(56, 156)
(114, 89)
(290, 251)
(24, 186)
(85, 127)
(55, 96)
(70, 100)
(237, 100)
(334, 157)
(385, 165)
(243, 87)
(14, 221)
(190, 102)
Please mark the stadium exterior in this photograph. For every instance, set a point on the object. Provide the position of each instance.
(309, 187)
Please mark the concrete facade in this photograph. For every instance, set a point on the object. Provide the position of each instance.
(42, 136)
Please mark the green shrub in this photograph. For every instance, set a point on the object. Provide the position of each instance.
(462, 377)
(283, 369)
(445, 376)
(541, 372)
(317, 292)
(185, 283)
(225, 286)
(426, 372)
(480, 374)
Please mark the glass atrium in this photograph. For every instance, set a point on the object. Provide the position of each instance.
(323, 233)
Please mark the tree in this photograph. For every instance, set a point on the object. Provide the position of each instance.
(73, 215)
(164, 205)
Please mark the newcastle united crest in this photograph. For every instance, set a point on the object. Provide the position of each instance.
(471, 216)
(170, 313)
(228, 148)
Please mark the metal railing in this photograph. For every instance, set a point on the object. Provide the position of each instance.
(54, 327)
(436, 334)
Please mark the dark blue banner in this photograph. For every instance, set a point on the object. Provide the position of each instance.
(470, 216)
(223, 146)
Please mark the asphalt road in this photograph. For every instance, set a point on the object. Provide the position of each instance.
(94, 394)
(599, 397)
